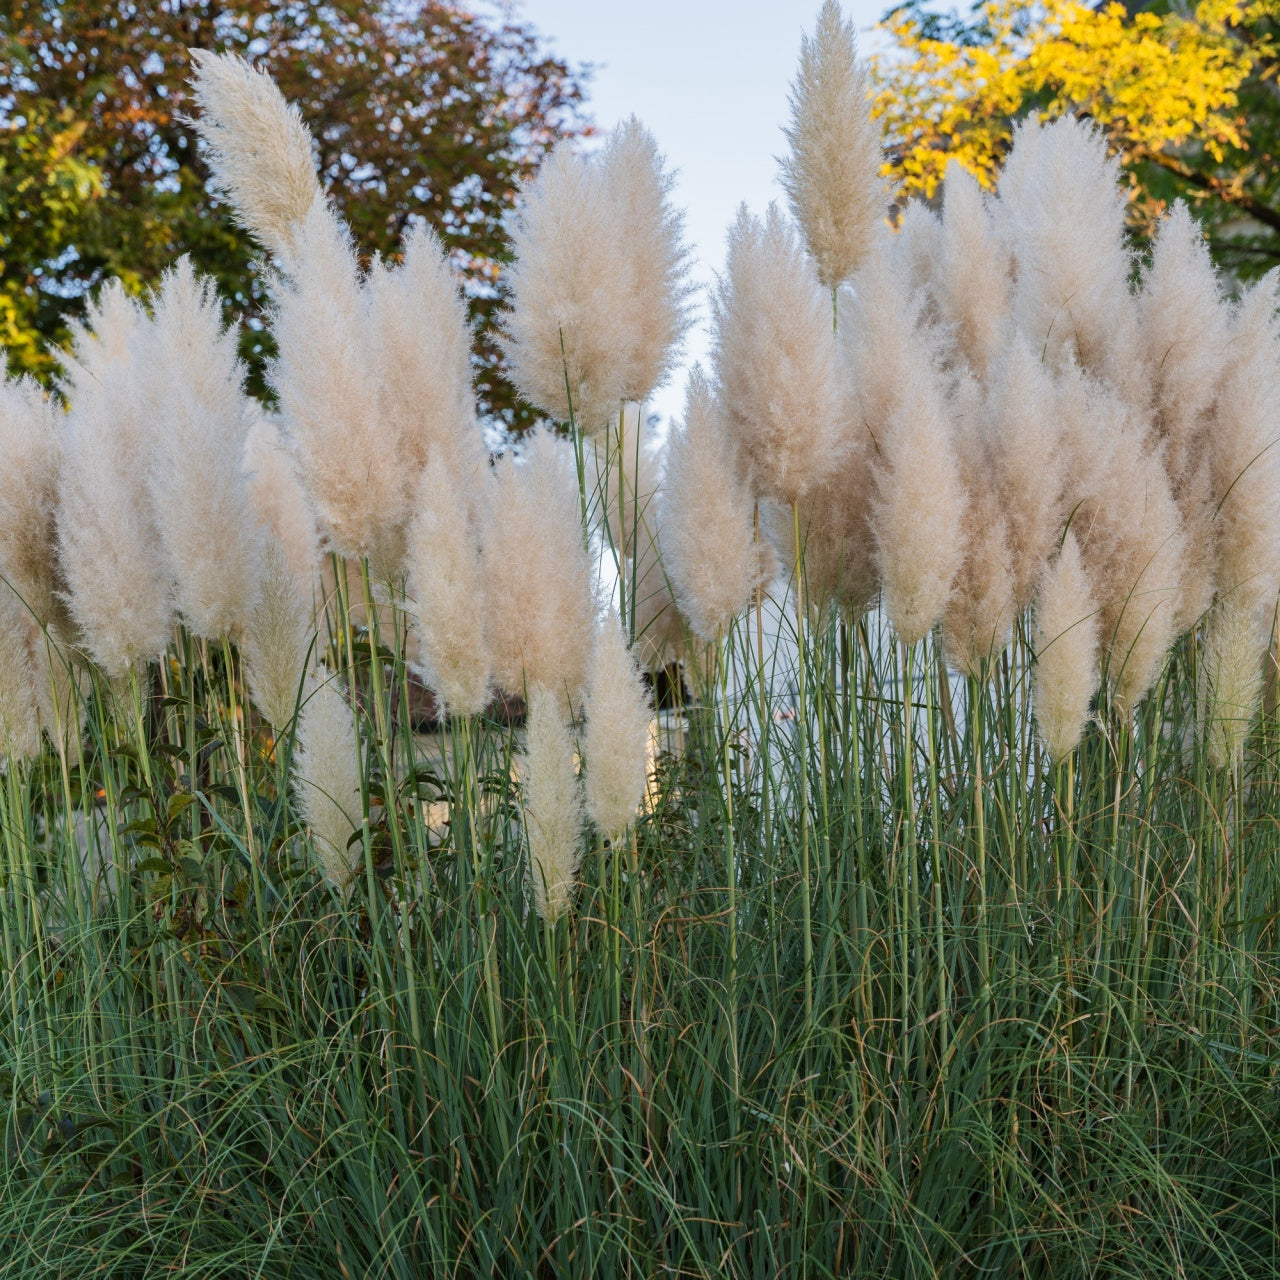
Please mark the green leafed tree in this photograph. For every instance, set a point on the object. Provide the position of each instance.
(1186, 92)
(420, 109)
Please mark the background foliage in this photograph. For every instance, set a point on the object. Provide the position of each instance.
(1187, 95)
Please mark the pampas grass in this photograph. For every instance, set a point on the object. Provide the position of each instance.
(714, 555)
(19, 724)
(258, 148)
(328, 397)
(120, 589)
(279, 639)
(617, 735)
(30, 446)
(326, 774)
(832, 173)
(775, 360)
(448, 589)
(539, 591)
(1065, 642)
(597, 289)
(1004, 935)
(552, 805)
(189, 388)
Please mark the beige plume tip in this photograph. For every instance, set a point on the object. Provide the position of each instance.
(259, 149)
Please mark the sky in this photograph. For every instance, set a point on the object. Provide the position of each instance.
(710, 80)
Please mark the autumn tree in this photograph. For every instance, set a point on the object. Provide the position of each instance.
(419, 109)
(1187, 96)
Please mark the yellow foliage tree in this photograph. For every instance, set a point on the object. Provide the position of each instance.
(1187, 99)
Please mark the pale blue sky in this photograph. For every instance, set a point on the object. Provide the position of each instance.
(709, 78)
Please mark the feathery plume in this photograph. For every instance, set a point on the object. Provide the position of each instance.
(1065, 641)
(29, 499)
(19, 725)
(775, 360)
(1183, 323)
(835, 536)
(1134, 549)
(651, 271)
(714, 557)
(120, 593)
(1063, 216)
(978, 621)
(328, 396)
(917, 514)
(1183, 326)
(280, 503)
(419, 342)
(973, 285)
(1231, 680)
(1025, 435)
(916, 250)
(259, 149)
(598, 288)
(447, 585)
(189, 387)
(1245, 457)
(279, 636)
(102, 341)
(326, 781)
(832, 176)
(617, 736)
(540, 597)
(552, 805)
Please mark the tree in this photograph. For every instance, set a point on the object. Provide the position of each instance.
(1187, 96)
(419, 109)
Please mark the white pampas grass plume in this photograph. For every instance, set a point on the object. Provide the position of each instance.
(973, 285)
(19, 723)
(713, 555)
(598, 288)
(189, 386)
(419, 342)
(1022, 410)
(617, 736)
(447, 587)
(835, 536)
(917, 247)
(280, 503)
(1134, 549)
(650, 275)
(1245, 456)
(279, 636)
(832, 175)
(326, 781)
(917, 514)
(1183, 326)
(1063, 215)
(1065, 640)
(120, 592)
(29, 498)
(103, 339)
(552, 805)
(978, 621)
(540, 602)
(1231, 680)
(328, 395)
(775, 359)
(259, 149)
